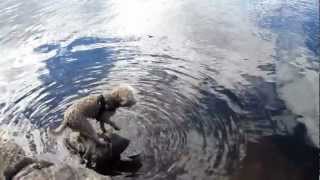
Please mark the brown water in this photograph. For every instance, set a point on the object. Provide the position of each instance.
(218, 81)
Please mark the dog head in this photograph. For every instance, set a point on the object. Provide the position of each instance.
(123, 95)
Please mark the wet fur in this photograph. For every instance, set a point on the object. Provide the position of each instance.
(122, 96)
(95, 107)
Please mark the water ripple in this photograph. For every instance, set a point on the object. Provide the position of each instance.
(206, 83)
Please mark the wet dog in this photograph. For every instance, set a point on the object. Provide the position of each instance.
(96, 107)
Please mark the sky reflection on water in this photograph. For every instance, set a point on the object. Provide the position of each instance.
(213, 77)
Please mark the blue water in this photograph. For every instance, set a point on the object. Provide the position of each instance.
(220, 83)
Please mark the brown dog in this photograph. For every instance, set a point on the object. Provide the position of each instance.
(98, 107)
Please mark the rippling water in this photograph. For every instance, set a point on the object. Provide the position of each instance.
(211, 76)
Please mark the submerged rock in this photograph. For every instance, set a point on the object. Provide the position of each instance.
(87, 149)
(16, 165)
(103, 159)
(58, 171)
(12, 157)
(92, 153)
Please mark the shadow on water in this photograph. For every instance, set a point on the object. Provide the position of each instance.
(284, 157)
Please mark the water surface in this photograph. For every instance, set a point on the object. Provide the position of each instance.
(212, 77)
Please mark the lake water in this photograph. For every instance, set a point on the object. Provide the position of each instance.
(217, 81)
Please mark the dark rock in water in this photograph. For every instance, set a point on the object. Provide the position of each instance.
(86, 149)
(103, 159)
(61, 172)
(12, 159)
(115, 165)
(92, 153)
(15, 165)
(100, 160)
(17, 168)
(12, 170)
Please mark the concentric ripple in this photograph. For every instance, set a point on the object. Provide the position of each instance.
(209, 76)
(180, 125)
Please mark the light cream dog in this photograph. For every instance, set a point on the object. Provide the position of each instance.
(96, 107)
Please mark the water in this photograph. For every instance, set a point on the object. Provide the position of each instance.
(212, 76)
